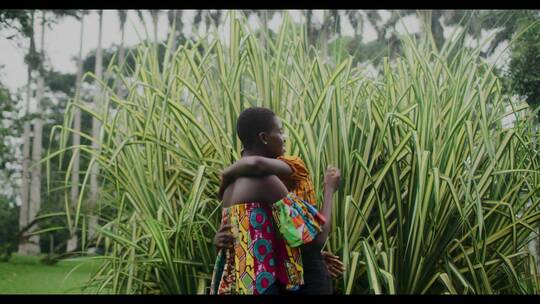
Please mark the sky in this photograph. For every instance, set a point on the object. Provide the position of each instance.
(62, 40)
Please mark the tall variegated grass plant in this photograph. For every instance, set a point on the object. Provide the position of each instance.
(438, 195)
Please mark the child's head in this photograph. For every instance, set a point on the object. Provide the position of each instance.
(260, 129)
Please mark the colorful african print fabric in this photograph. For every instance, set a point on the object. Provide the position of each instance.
(297, 221)
(259, 258)
(256, 260)
(299, 183)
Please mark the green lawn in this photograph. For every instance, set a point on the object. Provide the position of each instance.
(26, 275)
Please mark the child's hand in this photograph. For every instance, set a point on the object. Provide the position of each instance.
(333, 264)
(224, 237)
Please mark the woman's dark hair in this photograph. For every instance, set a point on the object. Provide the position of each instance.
(251, 122)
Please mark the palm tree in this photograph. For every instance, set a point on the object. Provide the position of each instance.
(213, 17)
(308, 15)
(331, 25)
(197, 19)
(154, 14)
(264, 20)
(264, 17)
(336, 18)
(122, 16)
(507, 22)
(209, 17)
(23, 213)
(73, 240)
(357, 22)
(388, 31)
(431, 21)
(325, 33)
(35, 182)
(155, 19)
(95, 129)
(175, 17)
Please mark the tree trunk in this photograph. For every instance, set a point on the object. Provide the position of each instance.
(355, 28)
(437, 29)
(175, 24)
(35, 183)
(121, 51)
(431, 25)
(172, 28)
(25, 187)
(324, 37)
(309, 15)
(207, 21)
(121, 59)
(337, 20)
(155, 31)
(23, 212)
(360, 31)
(265, 33)
(155, 20)
(73, 240)
(92, 223)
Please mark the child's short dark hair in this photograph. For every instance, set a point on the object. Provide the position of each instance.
(251, 122)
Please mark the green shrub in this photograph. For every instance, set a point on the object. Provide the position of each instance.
(438, 197)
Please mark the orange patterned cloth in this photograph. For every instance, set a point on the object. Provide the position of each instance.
(260, 255)
(227, 279)
(299, 182)
(254, 262)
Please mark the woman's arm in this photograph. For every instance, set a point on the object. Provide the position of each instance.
(331, 183)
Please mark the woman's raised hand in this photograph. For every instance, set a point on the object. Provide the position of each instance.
(331, 178)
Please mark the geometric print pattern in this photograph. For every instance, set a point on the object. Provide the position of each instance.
(261, 255)
(300, 184)
(254, 264)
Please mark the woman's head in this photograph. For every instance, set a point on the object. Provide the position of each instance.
(260, 131)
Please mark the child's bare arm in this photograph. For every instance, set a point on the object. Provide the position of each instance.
(253, 166)
(257, 165)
